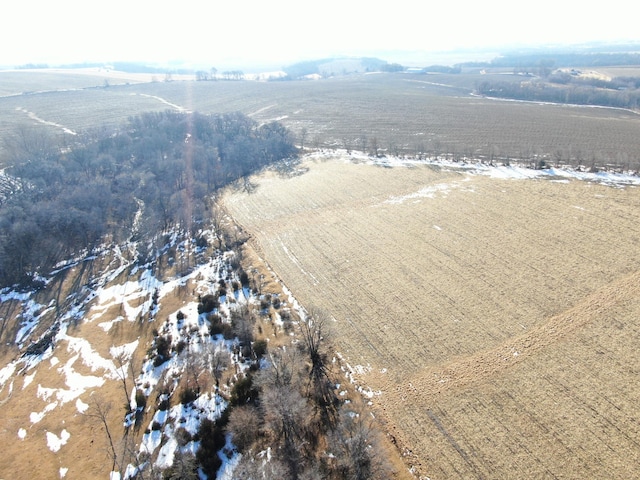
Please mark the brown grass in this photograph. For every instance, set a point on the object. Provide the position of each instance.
(497, 316)
(86, 453)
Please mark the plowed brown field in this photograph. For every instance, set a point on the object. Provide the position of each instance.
(498, 318)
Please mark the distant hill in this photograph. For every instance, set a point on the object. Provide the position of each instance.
(567, 56)
(328, 67)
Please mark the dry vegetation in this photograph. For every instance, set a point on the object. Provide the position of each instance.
(403, 113)
(498, 318)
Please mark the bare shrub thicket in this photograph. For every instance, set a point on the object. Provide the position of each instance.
(294, 414)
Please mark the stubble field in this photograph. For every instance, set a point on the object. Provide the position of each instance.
(402, 113)
(495, 320)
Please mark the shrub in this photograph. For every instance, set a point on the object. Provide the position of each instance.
(159, 360)
(180, 316)
(202, 242)
(182, 436)
(180, 346)
(243, 392)
(141, 399)
(212, 441)
(265, 302)
(163, 404)
(188, 395)
(260, 348)
(163, 348)
(208, 303)
(244, 423)
(224, 329)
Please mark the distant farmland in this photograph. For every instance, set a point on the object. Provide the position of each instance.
(497, 318)
(393, 113)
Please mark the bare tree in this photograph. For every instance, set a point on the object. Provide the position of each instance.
(217, 219)
(120, 360)
(355, 445)
(218, 361)
(251, 468)
(100, 411)
(286, 413)
(244, 423)
(242, 321)
(374, 147)
(315, 334)
(362, 143)
(303, 137)
(284, 370)
(184, 467)
(193, 369)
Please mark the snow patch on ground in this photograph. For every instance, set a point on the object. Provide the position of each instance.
(81, 406)
(31, 314)
(352, 372)
(35, 417)
(229, 463)
(28, 379)
(6, 373)
(34, 117)
(76, 382)
(432, 191)
(166, 102)
(55, 443)
(475, 167)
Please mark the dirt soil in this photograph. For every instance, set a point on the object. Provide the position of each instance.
(494, 320)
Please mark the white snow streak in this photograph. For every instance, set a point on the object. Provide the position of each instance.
(166, 102)
(33, 116)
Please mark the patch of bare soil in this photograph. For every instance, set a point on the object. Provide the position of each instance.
(495, 318)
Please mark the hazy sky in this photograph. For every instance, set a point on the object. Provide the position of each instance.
(230, 33)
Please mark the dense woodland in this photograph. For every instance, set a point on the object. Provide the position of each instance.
(156, 173)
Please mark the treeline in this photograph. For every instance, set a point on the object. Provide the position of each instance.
(154, 174)
(573, 93)
(574, 77)
(566, 59)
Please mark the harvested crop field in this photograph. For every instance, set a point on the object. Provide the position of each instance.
(396, 113)
(494, 319)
